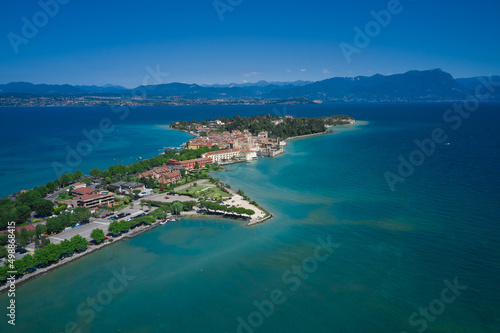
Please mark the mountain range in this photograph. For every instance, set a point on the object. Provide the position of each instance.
(429, 85)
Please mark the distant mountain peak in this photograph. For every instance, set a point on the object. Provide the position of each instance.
(414, 85)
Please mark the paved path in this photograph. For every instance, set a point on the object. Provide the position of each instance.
(56, 194)
(239, 201)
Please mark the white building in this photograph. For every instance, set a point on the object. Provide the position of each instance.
(249, 154)
(221, 155)
(78, 185)
(146, 192)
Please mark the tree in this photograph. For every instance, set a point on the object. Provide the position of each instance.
(42, 242)
(40, 229)
(71, 177)
(5, 218)
(43, 207)
(22, 213)
(25, 234)
(79, 243)
(82, 214)
(136, 192)
(177, 207)
(97, 235)
(54, 225)
(51, 186)
(78, 174)
(188, 205)
(21, 238)
(95, 172)
(59, 209)
(3, 252)
(28, 198)
(4, 239)
(114, 228)
(64, 179)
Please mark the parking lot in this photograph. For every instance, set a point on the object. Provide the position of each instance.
(101, 223)
(83, 230)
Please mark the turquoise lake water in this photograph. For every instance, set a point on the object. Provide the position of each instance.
(392, 250)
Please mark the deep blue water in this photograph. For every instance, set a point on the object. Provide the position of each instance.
(394, 251)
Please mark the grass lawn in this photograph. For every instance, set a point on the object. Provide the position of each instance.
(64, 196)
(209, 191)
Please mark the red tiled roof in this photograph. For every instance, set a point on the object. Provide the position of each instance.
(27, 227)
(91, 196)
(173, 174)
(84, 190)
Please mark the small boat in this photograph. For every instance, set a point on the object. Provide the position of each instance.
(163, 222)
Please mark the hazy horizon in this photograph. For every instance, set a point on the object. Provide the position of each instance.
(220, 42)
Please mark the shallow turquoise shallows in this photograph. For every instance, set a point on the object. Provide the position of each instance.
(344, 253)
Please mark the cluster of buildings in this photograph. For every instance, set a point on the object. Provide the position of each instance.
(164, 175)
(242, 140)
(239, 146)
(222, 156)
(88, 197)
(190, 164)
(92, 198)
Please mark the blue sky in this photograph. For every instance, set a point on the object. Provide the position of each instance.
(101, 42)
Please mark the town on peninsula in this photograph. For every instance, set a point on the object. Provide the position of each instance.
(50, 225)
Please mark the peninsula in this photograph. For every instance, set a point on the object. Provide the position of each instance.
(52, 224)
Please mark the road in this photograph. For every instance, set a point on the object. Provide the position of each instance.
(56, 194)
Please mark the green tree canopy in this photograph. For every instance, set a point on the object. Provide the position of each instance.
(43, 207)
(40, 229)
(97, 235)
(78, 174)
(22, 213)
(177, 207)
(82, 214)
(4, 239)
(51, 186)
(95, 172)
(3, 252)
